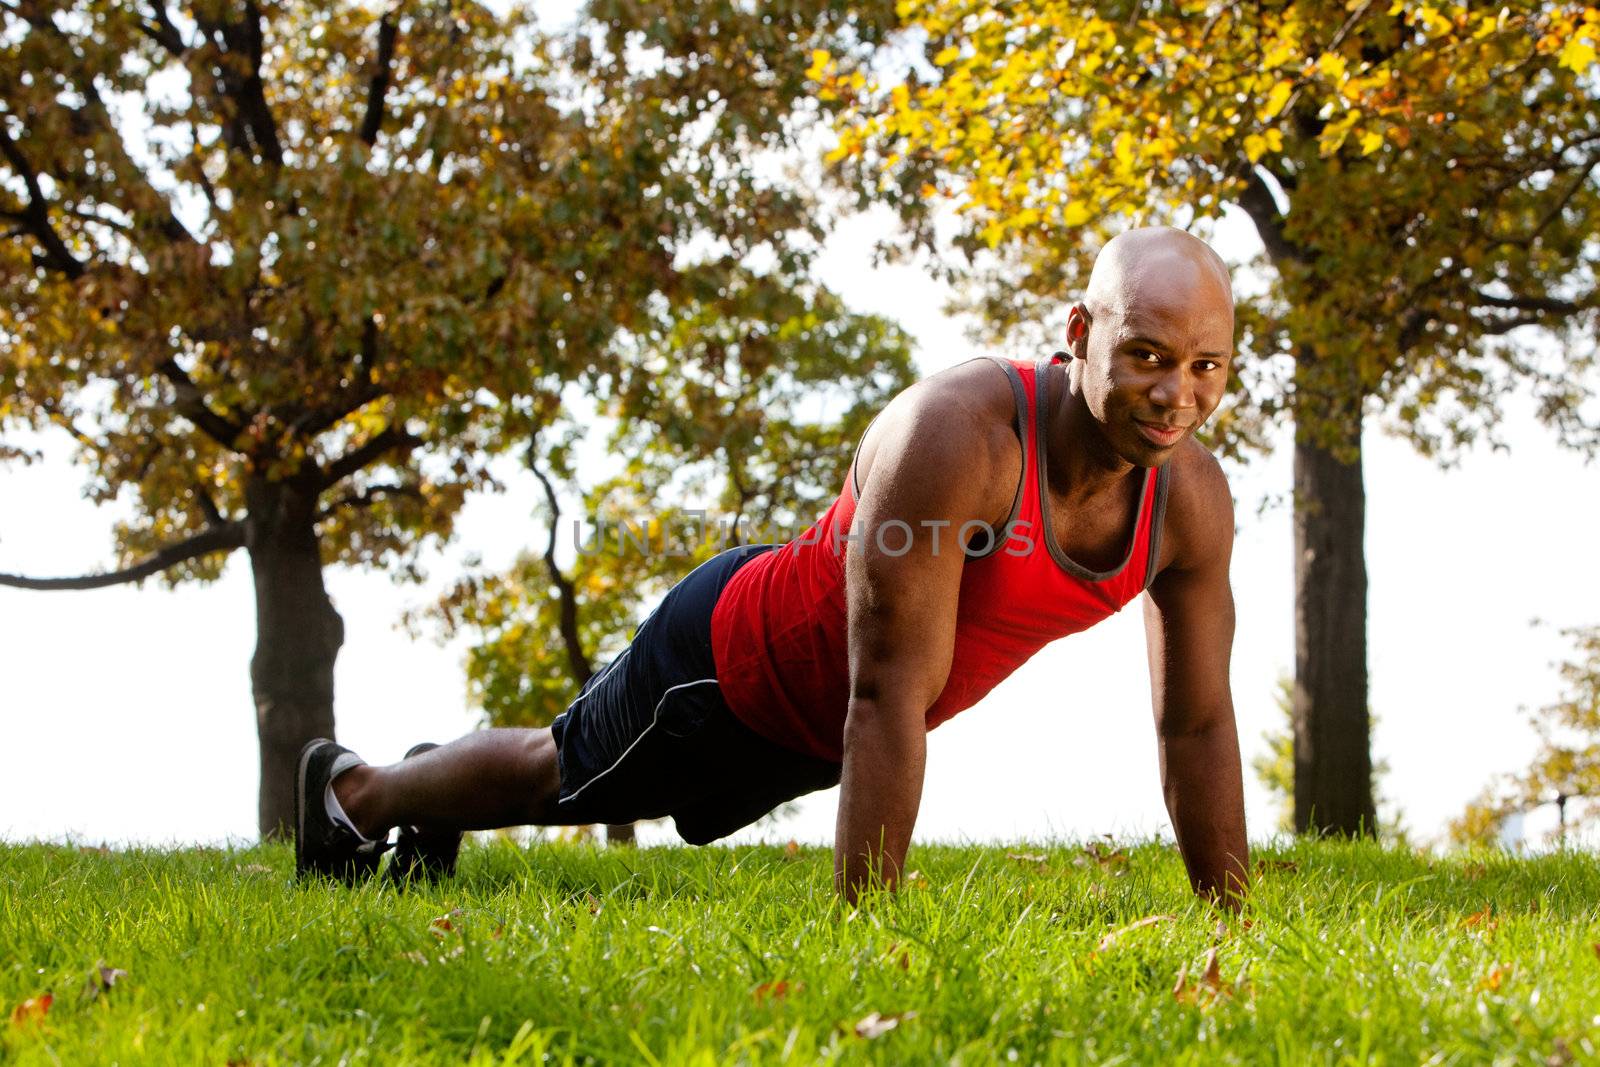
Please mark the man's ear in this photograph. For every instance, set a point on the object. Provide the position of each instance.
(1078, 321)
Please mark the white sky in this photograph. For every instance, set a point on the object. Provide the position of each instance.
(128, 715)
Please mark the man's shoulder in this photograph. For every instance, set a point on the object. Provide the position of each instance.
(963, 408)
(1199, 519)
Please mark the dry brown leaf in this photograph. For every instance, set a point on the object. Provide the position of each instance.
(443, 924)
(1105, 855)
(791, 850)
(32, 1010)
(875, 1025)
(1596, 947)
(1149, 920)
(1205, 990)
(1481, 920)
(1287, 866)
(774, 990)
(904, 957)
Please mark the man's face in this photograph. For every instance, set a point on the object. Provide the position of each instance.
(1155, 368)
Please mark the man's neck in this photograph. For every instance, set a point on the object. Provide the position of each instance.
(1082, 464)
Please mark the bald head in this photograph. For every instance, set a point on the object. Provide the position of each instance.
(1158, 264)
(1151, 341)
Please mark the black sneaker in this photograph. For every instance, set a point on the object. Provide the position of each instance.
(423, 855)
(324, 848)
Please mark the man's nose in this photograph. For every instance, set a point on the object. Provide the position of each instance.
(1174, 389)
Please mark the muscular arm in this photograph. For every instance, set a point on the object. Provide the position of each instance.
(1189, 624)
(931, 465)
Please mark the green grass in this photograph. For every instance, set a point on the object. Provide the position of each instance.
(560, 953)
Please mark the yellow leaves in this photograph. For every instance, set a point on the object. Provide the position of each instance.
(1076, 213)
(1122, 148)
(1579, 51)
(821, 61)
(1332, 64)
(1371, 141)
(947, 56)
(1277, 100)
(1258, 144)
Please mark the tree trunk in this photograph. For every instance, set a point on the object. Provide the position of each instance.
(298, 636)
(1332, 746)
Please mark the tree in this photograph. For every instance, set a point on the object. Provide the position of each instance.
(1275, 771)
(1565, 768)
(292, 276)
(1424, 179)
(772, 387)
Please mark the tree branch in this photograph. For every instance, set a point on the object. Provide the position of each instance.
(372, 123)
(215, 539)
(1547, 304)
(36, 215)
(570, 638)
(191, 405)
(366, 497)
(162, 31)
(388, 440)
(247, 38)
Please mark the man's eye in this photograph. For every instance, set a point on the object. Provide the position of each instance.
(1146, 356)
(1206, 365)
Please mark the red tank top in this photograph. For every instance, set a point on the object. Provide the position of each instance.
(778, 631)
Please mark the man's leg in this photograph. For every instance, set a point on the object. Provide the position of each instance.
(483, 781)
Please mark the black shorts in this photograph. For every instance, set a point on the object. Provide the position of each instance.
(650, 735)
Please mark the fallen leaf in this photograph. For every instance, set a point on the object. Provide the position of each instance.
(1490, 983)
(1483, 920)
(1149, 920)
(1028, 857)
(791, 850)
(254, 868)
(1207, 989)
(444, 923)
(94, 850)
(1473, 871)
(774, 990)
(101, 979)
(32, 1010)
(1288, 866)
(595, 906)
(1596, 947)
(914, 880)
(1105, 855)
(875, 1025)
(904, 957)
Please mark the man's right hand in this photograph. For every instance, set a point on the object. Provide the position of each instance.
(881, 789)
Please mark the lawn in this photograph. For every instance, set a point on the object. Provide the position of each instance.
(562, 953)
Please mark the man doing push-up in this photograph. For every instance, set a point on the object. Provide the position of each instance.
(990, 509)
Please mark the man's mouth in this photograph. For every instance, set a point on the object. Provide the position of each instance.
(1159, 433)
